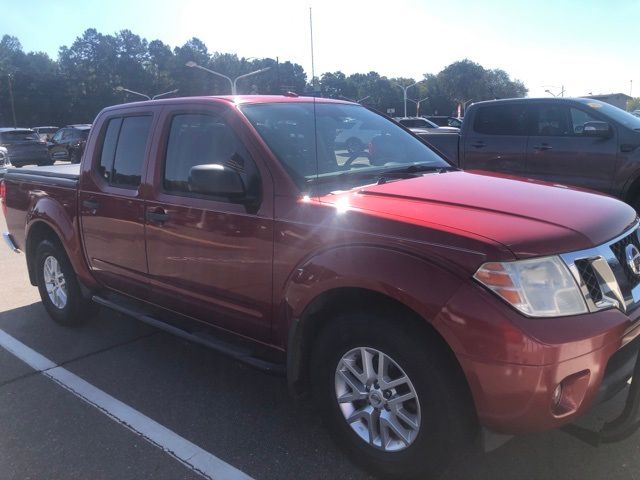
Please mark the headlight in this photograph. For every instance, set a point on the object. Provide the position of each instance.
(541, 287)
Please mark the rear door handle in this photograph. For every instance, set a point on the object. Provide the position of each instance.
(157, 214)
(478, 145)
(542, 147)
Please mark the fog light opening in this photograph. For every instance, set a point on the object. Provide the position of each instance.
(568, 395)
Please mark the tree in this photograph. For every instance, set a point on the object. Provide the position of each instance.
(633, 104)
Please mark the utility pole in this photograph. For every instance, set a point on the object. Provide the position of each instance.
(13, 107)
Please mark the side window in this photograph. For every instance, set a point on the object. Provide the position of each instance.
(552, 120)
(578, 119)
(108, 152)
(508, 119)
(130, 150)
(200, 139)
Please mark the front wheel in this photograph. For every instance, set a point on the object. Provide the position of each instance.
(390, 396)
(58, 286)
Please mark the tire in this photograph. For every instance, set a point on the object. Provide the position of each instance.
(74, 156)
(62, 299)
(440, 408)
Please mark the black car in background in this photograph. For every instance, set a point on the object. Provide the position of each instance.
(68, 143)
(24, 147)
(45, 133)
(443, 121)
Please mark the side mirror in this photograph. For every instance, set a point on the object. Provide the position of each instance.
(597, 129)
(216, 179)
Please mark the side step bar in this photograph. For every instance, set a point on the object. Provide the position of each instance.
(229, 349)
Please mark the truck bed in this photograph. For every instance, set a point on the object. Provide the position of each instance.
(63, 175)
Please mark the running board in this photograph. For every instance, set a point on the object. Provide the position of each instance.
(237, 352)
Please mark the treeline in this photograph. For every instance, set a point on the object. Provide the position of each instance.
(74, 87)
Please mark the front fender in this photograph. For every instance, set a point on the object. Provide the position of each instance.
(419, 284)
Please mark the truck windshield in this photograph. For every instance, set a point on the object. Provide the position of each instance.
(617, 114)
(321, 142)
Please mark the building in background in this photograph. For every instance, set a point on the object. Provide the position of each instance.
(616, 99)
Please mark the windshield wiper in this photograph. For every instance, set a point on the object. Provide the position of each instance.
(380, 176)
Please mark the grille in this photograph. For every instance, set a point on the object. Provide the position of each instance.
(618, 250)
(590, 280)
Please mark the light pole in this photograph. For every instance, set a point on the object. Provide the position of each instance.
(418, 102)
(13, 108)
(561, 87)
(404, 90)
(120, 88)
(233, 82)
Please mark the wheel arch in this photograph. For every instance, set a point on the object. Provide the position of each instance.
(408, 289)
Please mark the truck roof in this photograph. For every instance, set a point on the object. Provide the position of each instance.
(235, 99)
(540, 99)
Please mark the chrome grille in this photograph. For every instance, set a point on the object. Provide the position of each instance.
(603, 275)
(618, 249)
(590, 279)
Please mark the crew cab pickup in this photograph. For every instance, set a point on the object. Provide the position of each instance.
(417, 304)
(571, 141)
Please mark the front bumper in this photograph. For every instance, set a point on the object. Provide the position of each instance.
(514, 365)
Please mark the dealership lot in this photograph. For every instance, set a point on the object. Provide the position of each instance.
(240, 415)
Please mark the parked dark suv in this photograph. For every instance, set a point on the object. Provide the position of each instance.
(68, 143)
(24, 147)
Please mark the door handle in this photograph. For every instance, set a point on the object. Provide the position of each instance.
(478, 145)
(90, 204)
(542, 147)
(157, 214)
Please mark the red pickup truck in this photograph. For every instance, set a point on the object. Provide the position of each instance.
(418, 305)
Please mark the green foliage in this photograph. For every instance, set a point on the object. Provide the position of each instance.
(633, 104)
(83, 80)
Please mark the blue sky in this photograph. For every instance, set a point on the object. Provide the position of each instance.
(587, 46)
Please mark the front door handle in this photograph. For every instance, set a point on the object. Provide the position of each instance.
(157, 214)
(90, 204)
(542, 147)
(478, 145)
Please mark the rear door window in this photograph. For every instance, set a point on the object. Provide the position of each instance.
(123, 150)
(129, 158)
(508, 119)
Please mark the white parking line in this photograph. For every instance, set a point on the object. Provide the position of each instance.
(183, 450)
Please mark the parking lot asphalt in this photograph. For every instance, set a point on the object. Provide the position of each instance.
(240, 415)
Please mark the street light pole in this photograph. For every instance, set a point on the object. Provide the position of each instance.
(404, 90)
(418, 102)
(163, 94)
(232, 82)
(120, 88)
(13, 108)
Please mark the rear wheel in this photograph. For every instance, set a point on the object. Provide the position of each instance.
(58, 286)
(390, 397)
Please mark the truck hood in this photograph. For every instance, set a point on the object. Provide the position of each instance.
(531, 218)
